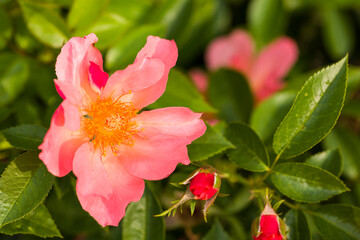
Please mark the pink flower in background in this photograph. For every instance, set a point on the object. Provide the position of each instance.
(98, 133)
(200, 79)
(264, 70)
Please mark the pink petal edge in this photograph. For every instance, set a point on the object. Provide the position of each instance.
(104, 187)
(59, 146)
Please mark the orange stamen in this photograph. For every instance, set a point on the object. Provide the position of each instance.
(109, 123)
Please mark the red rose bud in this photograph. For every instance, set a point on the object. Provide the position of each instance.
(269, 226)
(204, 185)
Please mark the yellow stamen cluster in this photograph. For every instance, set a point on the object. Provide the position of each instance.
(108, 123)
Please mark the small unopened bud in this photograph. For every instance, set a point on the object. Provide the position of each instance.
(203, 186)
(268, 226)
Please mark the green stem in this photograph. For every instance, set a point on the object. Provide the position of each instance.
(270, 170)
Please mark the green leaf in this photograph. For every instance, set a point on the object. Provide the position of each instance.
(116, 22)
(267, 116)
(217, 232)
(266, 19)
(336, 221)
(349, 146)
(14, 72)
(298, 227)
(305, 183)
(27, 137)
(208, 19)
(314, 112)
(175, 15)
(250, 152)
(181, 92)
(338, 32)
(329, 160)
(5, 28)
(85, 12)
(38, 222)
(139, 221)
(208, 145)
(293, 4)
(236, 104)
(23, 186)
(44, 23)
(126, 49)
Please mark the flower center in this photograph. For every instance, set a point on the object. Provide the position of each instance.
(109, 123)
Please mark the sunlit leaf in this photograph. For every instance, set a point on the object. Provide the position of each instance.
(306, 183)
(38, 222)
(84, 12)
(314, 112)
(14, 72)
(44, 23)
(23, 186)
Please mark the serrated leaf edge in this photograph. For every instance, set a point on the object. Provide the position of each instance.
(346, 188)
(51, 219)
(342, 105)
(14, 220)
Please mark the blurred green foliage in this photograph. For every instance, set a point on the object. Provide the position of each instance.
(32, 33)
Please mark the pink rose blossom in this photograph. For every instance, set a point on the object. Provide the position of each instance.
(98, 133)
(264, 70)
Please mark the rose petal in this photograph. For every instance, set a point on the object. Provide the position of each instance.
(161, 144)
(153, 158)
(167, 52)
(72, 66)
(179, 122)
(104, 187)
(72, 115)
(135, 77)
(59, 146)
(147, 77)
(233, 51)
(273, 63)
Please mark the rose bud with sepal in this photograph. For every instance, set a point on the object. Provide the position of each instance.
(268, 226)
